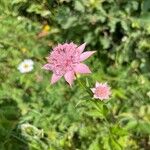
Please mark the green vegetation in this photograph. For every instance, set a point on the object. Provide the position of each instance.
(35, 115)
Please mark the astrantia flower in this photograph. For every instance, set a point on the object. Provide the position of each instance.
(101, 91)
(26, 66)
(66, 60)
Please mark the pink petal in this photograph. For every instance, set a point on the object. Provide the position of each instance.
(55, 78)
(82, 68)
(81, 48)
(85, 55)
(46, 66)
(69, 77)
(97, 84)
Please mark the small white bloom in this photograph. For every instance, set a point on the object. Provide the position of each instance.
(31, 130)
(148, 93)
(124, 39)
(26, 66)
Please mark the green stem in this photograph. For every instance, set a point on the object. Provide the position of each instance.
(79, 81)
(84, 86)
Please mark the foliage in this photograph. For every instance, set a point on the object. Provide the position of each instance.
(36, 115)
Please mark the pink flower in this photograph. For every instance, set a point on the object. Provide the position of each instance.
(66, 60)
(101, 91)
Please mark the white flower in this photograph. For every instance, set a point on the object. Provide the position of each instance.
(31, 130)
(26, 66)
(124, 39)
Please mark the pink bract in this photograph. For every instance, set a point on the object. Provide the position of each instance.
(66, 60)
(101, 91)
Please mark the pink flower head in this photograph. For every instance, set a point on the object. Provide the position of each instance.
(66, 60)
(101, 91)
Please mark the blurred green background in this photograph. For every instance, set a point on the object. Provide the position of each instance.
(35, 115)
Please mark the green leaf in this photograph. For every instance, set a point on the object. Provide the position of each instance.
(95, 113)
(143, 127)
(132, 124)
(146, 6)
(79, 6)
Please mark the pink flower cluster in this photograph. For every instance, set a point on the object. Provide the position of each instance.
(66, 60)
(101, 91)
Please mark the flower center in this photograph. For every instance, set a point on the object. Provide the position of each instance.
(26, 66)
(101, 91)
(64, 58)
